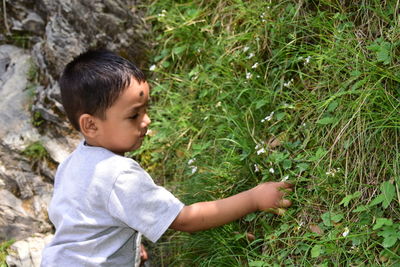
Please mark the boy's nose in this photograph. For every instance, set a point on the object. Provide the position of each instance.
(146, 120)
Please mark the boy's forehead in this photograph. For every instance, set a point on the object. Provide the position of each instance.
(136, 94)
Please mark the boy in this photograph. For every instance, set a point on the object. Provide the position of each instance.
(101, 199)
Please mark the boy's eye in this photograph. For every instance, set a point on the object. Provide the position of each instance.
(134, 116)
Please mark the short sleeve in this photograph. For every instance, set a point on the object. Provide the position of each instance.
(141, 204)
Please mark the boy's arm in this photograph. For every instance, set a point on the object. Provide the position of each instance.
(206, 215)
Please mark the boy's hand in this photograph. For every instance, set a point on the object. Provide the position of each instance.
(270, 195)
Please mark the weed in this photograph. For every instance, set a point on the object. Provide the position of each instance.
(3, 252)
(257, 91)
(36, 151)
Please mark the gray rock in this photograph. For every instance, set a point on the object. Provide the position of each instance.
(14, 99)
(28, 252)
(25, 183)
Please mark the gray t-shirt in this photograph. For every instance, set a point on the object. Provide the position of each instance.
(100, 201)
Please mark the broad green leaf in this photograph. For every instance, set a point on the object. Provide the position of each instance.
(316, 251)
(389, 192)
(379, 199)
(332, 106)
(302, 166)
(327, 120)
(257, 264)
(178, 50)
(381, 222)
(346, 200)
(250, 217)
(389, 241)
(287, 164)
(361, 208)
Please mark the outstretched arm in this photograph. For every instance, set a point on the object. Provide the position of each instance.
(206, 215)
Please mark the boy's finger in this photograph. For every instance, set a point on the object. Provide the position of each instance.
(277, 211)
(286, 185)
(284, 203)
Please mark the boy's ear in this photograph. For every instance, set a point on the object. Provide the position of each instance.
(88, 125)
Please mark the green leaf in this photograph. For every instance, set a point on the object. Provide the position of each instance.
(389, 241)
(332, 106)
(261, 103)
(316, 251)
(250, 217)
(379, 199)
(327, 120)
(302, 166)
(346, 200)
(381, 222)
(179, 50)
(389, 192)
(328, 218)
(257, 264)
(287, 164)
(361, 208)
(390, 236)
(165, 64)
(337, 217)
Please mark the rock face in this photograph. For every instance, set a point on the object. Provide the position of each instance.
(35, 135)
(27, 253)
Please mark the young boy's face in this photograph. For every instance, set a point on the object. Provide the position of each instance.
(126, 122)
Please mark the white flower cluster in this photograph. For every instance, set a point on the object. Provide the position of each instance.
(332, 172)
(152, 67)
(256, 169)
(163, 13)
(268, 118)
(260, 149)
(288, 84)
(191, 166)
(262, 17)
(248, 75)
(306, 60)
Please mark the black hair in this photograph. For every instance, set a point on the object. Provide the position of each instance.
(93, 81)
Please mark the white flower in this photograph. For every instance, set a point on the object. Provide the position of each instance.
(288, 84)
(162, 14)
(152, 67)
(260, 151)
(218, 104)
(256, 169)
(271, 170)
(245, 49)
(248, 75)
(332, 172)
(285, 178)
(251, 55)
(307, 60)
(255, 65)
(194, 169)
(268, 118)
(191, 161)
(346, 232)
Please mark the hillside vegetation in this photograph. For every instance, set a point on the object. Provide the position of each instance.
(251, 91)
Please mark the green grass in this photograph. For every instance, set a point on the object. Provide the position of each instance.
(3, 251)
(321, 78)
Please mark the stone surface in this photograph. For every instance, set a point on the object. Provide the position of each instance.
(28, 252)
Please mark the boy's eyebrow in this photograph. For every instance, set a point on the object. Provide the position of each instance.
(136, 108)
